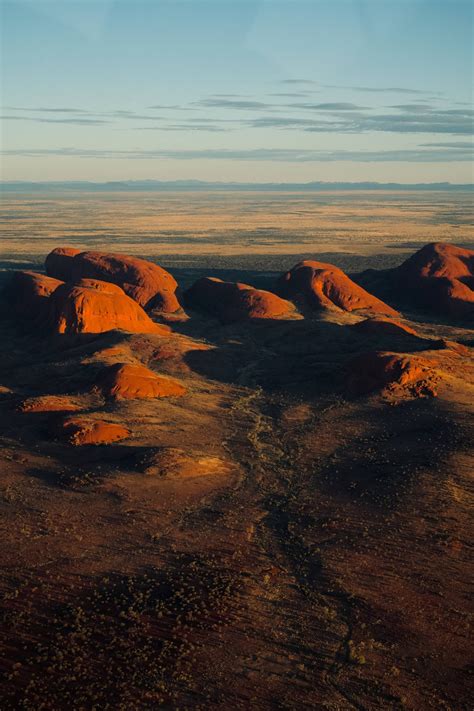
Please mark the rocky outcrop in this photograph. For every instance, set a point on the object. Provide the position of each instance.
(147, 283)
(50, 403)
(92, 306)
(59, 263)
(234, 301)
(384, 327)
(440, 260)
(323, 286)
(29, 292)
(127, 381)
(390, 372)
(438, 278)
(80, 431)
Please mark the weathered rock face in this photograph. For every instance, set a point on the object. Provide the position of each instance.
(148, 284)
(438, 278)
(324, 286)
(126, 381)
(233, 301)
(29, 293)
(440, 259)
(80, 431)
(392, 372)
(92, 306)
(59, 263)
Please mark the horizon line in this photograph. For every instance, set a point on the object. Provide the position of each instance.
(190, 183)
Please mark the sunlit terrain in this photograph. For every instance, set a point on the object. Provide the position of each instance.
(181, 228)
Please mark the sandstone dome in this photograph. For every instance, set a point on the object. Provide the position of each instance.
(29, 293)
(93, 306)
(78, 431)
(234, 301)
(324, 286)
(128, 381)
(147, 283)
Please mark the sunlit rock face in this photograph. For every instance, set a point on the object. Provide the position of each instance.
(147, 283)
(440, 259)
(78, 431)
(128, 381)
(324, 286)
(441, 276)
(234, 301)
(93, 306)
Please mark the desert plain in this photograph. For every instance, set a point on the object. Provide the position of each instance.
(288, 526)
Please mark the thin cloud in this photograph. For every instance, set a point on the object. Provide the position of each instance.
(288, 155)
(184, 127)
(420, 106)
(460, 145)
(170, 107)
(383, 89)
(234, 104)
(45, 109)
(292, 95)
(298, 81)
(74, 121)
(330, 106)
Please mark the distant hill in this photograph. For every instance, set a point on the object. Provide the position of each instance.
(193, 185)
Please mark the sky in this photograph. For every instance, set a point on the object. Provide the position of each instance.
(237, 90)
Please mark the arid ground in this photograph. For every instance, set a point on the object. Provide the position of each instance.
(269, 540)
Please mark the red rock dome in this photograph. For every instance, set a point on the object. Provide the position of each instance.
(148, 284)
(440, 259)
(323, 286)
(59, 262)
(233, 301)
(384, 327)
(93, 306)
(29, 293)
(380, 371)
(79, 431)
(126, 381)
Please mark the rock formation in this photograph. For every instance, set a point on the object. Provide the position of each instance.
(148, 284)
(384, 327)
(59, 263)
(234, 301)
(438, 278)
(29, 293)
(440, 260)
(323, 286)
(126, 381)
(391, 372)
(92, 306)
(80, 430)
(50, 403)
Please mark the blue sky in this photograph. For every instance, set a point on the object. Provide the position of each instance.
(246, 90)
